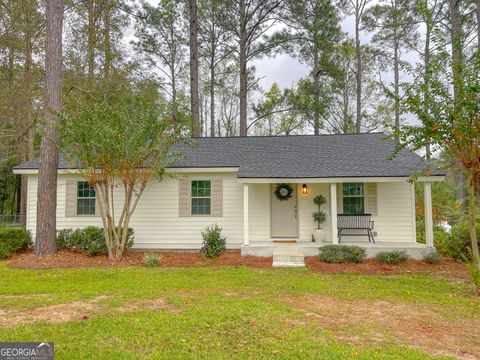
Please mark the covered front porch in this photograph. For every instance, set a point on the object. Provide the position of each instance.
(270, 224)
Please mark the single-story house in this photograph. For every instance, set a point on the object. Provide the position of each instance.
(260, 190)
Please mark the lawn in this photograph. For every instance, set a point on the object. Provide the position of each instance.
(238, 312)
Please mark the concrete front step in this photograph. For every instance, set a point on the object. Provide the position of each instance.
(293, 257)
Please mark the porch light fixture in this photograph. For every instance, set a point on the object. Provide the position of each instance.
(304, 189)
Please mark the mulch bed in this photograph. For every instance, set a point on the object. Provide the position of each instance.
(69, 259)
(448, 268)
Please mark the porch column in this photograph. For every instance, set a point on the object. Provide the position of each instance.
(427, 198)
(246, 240)
(333, 212)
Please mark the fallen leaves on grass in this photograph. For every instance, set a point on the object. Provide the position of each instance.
(365, 321)
(75, 310)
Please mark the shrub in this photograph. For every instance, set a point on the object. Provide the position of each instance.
(319, 216)
(13, 239)
(392, 257)
(90, 240)
(337, 254)
(151, 259)
(459, 245)
(441, 238)
(474, 275)
(432, 257)
(214, 243)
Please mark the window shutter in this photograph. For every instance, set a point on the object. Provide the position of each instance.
(371, 206)
(217, 197)
(183, 197)
(339, 198)
(71, 198)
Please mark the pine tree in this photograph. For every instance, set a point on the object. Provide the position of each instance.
(45, 239)
(315, 31)
(394, 27)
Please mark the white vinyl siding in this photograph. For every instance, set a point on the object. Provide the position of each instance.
(158, 224)
(156, 220)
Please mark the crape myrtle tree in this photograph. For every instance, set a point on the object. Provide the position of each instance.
(450, 121)
(120, 144)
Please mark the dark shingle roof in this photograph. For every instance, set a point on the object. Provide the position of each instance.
(302, 156)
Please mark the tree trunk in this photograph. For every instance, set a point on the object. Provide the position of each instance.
(212, 97)
(243, 70)
(456, 39)
(196, 129)
(91, 41)
(472, 219)
(477, 4)
(397, 86)
(107, 48)
(457, 64)
(45, 242)
(26, 128)
(358, 74)
(316, 93)
(426, 65)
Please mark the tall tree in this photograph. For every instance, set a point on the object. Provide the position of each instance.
(357, 9)
(477, 13)
(394, 27)
(315, 32)
(457, 64)
(195, 106)
(21, 32)
(249, 21)
(161, 39)
(431, 14)
(45, 239)
(214, 47)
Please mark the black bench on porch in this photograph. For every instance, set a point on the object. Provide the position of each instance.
(355, 222)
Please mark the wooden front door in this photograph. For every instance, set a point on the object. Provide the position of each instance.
(284, 215)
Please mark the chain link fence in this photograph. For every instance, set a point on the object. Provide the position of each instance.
(12, 220)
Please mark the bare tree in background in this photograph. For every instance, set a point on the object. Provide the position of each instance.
(45, 242)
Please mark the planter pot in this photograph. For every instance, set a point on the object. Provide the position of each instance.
(318, 235)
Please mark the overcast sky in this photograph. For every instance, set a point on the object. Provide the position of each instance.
(285, 70)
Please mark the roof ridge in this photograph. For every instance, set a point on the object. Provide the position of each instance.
(287, 136)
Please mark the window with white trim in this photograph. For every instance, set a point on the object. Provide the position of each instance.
(201, 194)
(85, 198)
(353, 198)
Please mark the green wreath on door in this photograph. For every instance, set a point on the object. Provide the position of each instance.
(283, 192)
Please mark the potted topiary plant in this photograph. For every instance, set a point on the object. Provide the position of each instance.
(319, 217)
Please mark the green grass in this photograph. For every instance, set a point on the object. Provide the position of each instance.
(224, 312)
